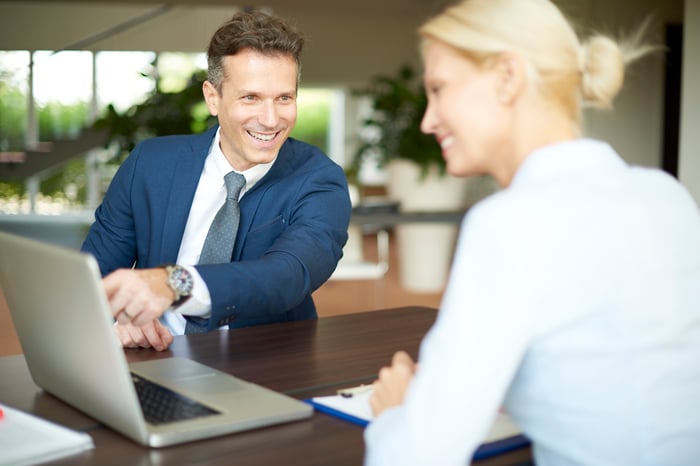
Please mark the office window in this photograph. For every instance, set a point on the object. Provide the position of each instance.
(63, 90)
(14, 70)
(123, 79)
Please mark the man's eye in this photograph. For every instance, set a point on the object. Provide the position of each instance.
(249, 98)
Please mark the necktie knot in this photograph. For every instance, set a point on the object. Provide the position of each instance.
(234, 183)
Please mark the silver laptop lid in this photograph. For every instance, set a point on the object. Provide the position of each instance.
(72, 354)
(64, 324)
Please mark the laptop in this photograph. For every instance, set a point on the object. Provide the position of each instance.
(64, 325)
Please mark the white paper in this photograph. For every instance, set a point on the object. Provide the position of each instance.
(356, 405)
(26, 439)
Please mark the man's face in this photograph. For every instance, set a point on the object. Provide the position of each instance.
(257, 106)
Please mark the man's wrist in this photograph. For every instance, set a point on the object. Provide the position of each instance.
(180, 282)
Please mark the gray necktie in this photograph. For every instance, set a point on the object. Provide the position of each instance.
(218, 247)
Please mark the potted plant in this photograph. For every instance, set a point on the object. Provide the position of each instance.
(417, 177)
(397, 104)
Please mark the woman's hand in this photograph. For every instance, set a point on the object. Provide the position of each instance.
(390, 388)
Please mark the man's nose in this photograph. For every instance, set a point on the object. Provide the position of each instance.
(269, 116)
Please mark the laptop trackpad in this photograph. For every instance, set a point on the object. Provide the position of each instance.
(185, 375)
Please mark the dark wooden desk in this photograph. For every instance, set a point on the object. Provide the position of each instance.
(301, 359)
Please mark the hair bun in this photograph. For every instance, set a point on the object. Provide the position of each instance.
(602, 70)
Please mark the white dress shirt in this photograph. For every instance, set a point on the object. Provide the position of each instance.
(208, 199)
(574, 301)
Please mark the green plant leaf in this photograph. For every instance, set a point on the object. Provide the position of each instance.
(398, 105)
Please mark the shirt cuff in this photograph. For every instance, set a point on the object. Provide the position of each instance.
(381, 438)
(199, 304)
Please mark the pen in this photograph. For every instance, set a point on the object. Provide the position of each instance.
(350, 392)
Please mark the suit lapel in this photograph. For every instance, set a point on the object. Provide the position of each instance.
(189, 163)
(250, 202)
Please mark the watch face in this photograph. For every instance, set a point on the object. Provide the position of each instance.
(181, 281)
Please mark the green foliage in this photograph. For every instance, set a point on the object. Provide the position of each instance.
(60, 121)
(398, 105)
(13, 121)
(56, 121)
(163, 113)
(12, 128)
(73, 173)
(9, 189)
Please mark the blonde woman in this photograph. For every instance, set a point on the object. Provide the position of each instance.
(574, 298)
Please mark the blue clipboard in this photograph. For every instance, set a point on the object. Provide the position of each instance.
(485, 450)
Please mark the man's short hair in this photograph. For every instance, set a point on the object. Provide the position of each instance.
(254, 30)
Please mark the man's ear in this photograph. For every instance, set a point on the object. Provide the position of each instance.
(510, 77)
(211, 97)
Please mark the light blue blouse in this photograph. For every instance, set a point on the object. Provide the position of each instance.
(573, 301)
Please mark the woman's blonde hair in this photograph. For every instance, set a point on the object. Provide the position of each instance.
(567, 71)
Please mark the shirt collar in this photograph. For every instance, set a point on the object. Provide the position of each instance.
(565, 157)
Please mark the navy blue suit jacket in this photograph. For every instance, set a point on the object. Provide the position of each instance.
(292, 229)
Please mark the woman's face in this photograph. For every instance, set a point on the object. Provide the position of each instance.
(464, 112)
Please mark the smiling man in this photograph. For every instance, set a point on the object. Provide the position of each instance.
(289, 222)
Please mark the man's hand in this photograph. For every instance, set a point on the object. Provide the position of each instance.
(138, 296)
(152, 335)
(390, 388)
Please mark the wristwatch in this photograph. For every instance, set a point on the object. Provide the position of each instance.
(181, 283)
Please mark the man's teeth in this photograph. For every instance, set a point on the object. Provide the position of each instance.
(262, 137)
(445, 143)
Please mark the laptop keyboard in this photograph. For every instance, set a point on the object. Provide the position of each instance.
(161, 405)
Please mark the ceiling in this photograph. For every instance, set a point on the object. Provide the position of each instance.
(362, 8)
(346, 40)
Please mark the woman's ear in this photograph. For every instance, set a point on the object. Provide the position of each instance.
(510, 77)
